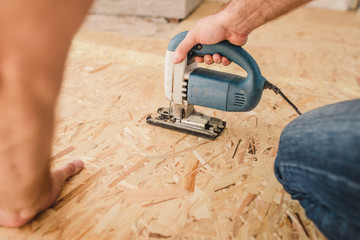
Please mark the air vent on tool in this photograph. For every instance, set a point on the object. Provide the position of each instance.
(239, 99)
(184, 90)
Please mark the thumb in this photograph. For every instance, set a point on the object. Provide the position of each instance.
(184, 47)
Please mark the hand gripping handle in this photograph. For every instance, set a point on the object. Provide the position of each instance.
(234, 53)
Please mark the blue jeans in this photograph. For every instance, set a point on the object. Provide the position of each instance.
(318, 163)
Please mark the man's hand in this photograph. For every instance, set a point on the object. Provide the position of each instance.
(58, 177)
(234, 23)
(210, 30)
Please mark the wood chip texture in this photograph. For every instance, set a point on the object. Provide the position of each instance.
(143, 182)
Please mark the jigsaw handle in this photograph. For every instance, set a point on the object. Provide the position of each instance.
(234, 53)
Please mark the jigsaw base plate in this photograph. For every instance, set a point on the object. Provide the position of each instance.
(197, 124)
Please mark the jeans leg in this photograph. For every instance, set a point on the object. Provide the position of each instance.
(318, 163)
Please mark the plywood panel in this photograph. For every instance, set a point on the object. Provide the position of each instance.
(142, 182)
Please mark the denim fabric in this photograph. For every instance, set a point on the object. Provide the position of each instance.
(318, 163)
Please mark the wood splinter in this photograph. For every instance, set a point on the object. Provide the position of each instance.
(226, 187)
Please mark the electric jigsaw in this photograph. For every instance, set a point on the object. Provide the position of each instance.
(187, 85)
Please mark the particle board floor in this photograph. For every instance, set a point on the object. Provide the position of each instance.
(142, 182)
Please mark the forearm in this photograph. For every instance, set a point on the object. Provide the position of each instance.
(233, 22)
(246, 15)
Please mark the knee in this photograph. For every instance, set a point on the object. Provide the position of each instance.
(293, 141)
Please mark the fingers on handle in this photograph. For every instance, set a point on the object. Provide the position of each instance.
(225, 61)
(199, 59)
(208, 59)
(217, 58)
(187, 44)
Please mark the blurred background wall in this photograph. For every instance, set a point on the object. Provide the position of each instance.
(179, 9)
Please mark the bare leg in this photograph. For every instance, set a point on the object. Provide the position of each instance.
(34, 41)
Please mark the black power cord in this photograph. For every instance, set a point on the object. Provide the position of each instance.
(268, 85)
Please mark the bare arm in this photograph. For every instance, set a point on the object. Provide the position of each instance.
(234, 23)
(34, 41)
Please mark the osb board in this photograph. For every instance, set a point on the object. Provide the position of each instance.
(143, 182)
(156, 46)
(131, 25)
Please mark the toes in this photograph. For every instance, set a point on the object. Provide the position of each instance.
(72, 168)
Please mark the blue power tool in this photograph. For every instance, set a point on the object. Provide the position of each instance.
(187, 85)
